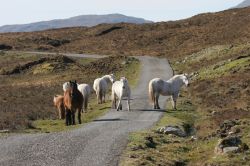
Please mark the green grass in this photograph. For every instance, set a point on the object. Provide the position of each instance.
(224, 68)
(49, 125)
(164, 150)
(132, 73)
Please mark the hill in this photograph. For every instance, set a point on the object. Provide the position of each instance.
(168, 39)
(245, 3)
(83, 20)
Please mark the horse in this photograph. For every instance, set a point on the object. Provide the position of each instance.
(101, 87)
(66, 86)
(120, 90)
(73, 101)
(58, 103)
(85, 89)
(170, 87)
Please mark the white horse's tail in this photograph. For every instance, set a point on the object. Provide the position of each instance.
(85, 104)
(151, 92)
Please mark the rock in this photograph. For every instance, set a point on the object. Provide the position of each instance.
(230, 144)
(233, 149)
(228, 127)
(175, 130)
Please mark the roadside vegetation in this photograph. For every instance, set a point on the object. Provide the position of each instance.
(217, 99)
(28, 83)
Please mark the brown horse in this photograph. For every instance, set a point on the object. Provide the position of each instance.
(73, 101)
(59, 104)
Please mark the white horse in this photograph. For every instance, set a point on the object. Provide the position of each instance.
(101, 87)
(120, 90)
(170, 87)
(85, 89)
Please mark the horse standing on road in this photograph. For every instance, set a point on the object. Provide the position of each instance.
(170, 87)
(73, 101)
(120, 90)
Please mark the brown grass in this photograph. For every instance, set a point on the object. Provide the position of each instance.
(169, 39)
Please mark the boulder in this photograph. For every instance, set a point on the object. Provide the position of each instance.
(174, 130)
(230, 144)
(233, 149)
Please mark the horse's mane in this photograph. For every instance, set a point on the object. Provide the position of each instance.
(108, 77)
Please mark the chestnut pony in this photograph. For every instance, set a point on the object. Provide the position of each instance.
(73, 101)
(58, 103)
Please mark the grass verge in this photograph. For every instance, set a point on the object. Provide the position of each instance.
(218, 92)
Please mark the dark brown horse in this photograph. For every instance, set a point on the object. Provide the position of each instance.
(73, 101)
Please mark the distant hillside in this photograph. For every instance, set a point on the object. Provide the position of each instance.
(245, 3)
(83, 20)
(169, 39)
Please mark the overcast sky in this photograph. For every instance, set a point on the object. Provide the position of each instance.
(26, 11)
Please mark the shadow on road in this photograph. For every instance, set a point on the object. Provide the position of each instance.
(105, 120)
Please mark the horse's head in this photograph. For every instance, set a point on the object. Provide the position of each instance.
(185, 79)
(124, 82)
(73, 87)
(112, 78)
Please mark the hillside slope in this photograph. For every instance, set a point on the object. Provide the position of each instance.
(169, 39)
(82, 20)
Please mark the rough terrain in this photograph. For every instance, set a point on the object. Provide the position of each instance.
(97, 143)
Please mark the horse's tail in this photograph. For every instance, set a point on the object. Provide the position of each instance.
(151, 92)
(85, 105)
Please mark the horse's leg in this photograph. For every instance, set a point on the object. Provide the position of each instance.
(115, 98)
(104, 93)
(59, 112)
(68, 117)
(128, 102)
(86, 104)
(157, 101)
(101, 96)
(174, 99)
(154, 99)
(98, 97)
(113, 101)
(79, 116)
(73, 117)
(118, 106)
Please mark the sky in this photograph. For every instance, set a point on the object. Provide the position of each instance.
(27, 11)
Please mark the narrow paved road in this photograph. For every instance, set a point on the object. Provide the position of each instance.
(98, 143)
